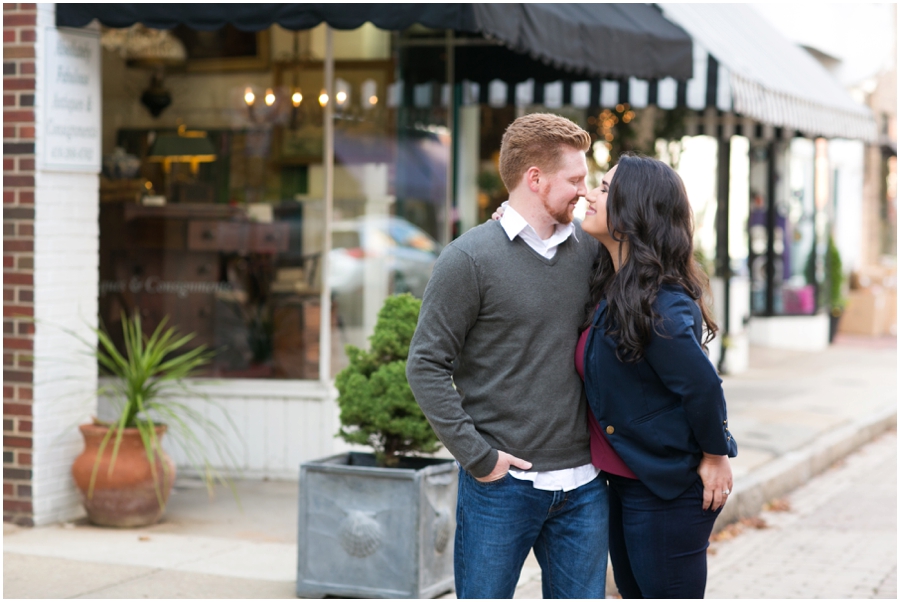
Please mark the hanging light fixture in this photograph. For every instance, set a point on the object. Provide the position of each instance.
(270, 97)
(146, 48)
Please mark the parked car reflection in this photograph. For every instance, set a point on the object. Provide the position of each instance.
(402, 250)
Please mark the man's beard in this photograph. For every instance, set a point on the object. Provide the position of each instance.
(563, 216)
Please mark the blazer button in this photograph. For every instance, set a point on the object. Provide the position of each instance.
(610, 430)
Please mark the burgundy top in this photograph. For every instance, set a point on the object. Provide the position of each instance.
(603, 456)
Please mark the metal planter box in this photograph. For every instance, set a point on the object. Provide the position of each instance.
(371, 532)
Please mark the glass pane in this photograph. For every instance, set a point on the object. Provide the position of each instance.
(758, 233)
(392, 148)
(209, 216)
(799, 282)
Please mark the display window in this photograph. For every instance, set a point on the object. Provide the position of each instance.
(213, 191)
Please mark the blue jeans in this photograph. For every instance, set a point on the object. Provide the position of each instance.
(498, 523)
(658, 547)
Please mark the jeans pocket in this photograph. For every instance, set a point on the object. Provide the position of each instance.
(493, 483)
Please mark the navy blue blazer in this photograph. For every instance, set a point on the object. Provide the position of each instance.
(661, 413)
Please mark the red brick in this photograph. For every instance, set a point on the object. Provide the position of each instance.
(24, 393)
(26, 328)
(19, 83)
(18, 52)
(26, 279)
(9, 359)
(9, 36)
(9, 196)
(9, 100)
(20, 344)
(25, 426)
(16, 409)
(23, 491)
(8, 164)
(24, 442)
(19, 20)
(14, 181)
(18, 246)
(17, 310)
(26, 164)
(24, 459)
(7, 489)
(9, 294)
(26, 197)
(18, 376)
(16, 506)
(26, 295)
(17, 116)
(27, 35)
(9, 261)
(8, 393)
(26, 7)
(26, 132)
(9, 131)
(25, 230)
(10, 6)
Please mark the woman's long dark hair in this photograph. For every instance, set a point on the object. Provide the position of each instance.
(647, 207)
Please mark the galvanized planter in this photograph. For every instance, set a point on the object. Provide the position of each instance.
(371, 532)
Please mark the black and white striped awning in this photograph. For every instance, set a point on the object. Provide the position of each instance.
(709, 87)
(746, 75)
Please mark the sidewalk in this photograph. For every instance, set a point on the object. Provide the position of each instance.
(793, 415)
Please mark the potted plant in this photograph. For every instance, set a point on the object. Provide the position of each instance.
(837, 302)
(380, 524)
(124, 474)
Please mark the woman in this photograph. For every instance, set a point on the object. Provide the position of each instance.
(659, 428)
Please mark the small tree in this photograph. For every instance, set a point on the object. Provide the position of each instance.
(378, 408)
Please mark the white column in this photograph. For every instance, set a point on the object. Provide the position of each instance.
(66, 272)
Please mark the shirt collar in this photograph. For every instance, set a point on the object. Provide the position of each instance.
(513, 223)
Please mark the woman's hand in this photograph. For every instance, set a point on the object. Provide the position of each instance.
(498, 213)
(715, 472)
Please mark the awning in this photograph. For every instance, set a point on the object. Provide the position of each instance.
(764, 76)
(620, 40)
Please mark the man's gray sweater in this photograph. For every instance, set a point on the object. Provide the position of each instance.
(501, 323)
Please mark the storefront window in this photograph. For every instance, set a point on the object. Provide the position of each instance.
(392, 152)
(213, 191)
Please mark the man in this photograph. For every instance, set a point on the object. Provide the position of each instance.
(492, 366)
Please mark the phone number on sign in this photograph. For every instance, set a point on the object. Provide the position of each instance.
(83, 153)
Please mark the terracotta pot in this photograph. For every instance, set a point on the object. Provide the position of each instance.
(128, 496)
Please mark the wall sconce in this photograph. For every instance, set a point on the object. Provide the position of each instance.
(250, 100)
(270, 97)
(323, 98)
(342, 94)
(296, 99)
(369, 94)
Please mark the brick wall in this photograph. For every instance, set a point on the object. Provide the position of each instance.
(19, 37)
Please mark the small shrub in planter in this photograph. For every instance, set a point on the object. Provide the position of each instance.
(378, 408)
(379, 525)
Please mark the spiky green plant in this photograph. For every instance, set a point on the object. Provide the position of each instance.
(378, 408)
(147, 380)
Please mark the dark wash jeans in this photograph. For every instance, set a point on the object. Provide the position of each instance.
(498, 523)
(658, 547)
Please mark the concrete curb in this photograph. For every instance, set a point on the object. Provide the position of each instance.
(785, 473)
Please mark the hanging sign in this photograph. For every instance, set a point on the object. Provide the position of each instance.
(69, 128)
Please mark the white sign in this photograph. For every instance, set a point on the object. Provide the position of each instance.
(69, 136)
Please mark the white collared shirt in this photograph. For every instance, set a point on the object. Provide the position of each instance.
(514, 225)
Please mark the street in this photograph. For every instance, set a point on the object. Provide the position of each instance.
(838, 539)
